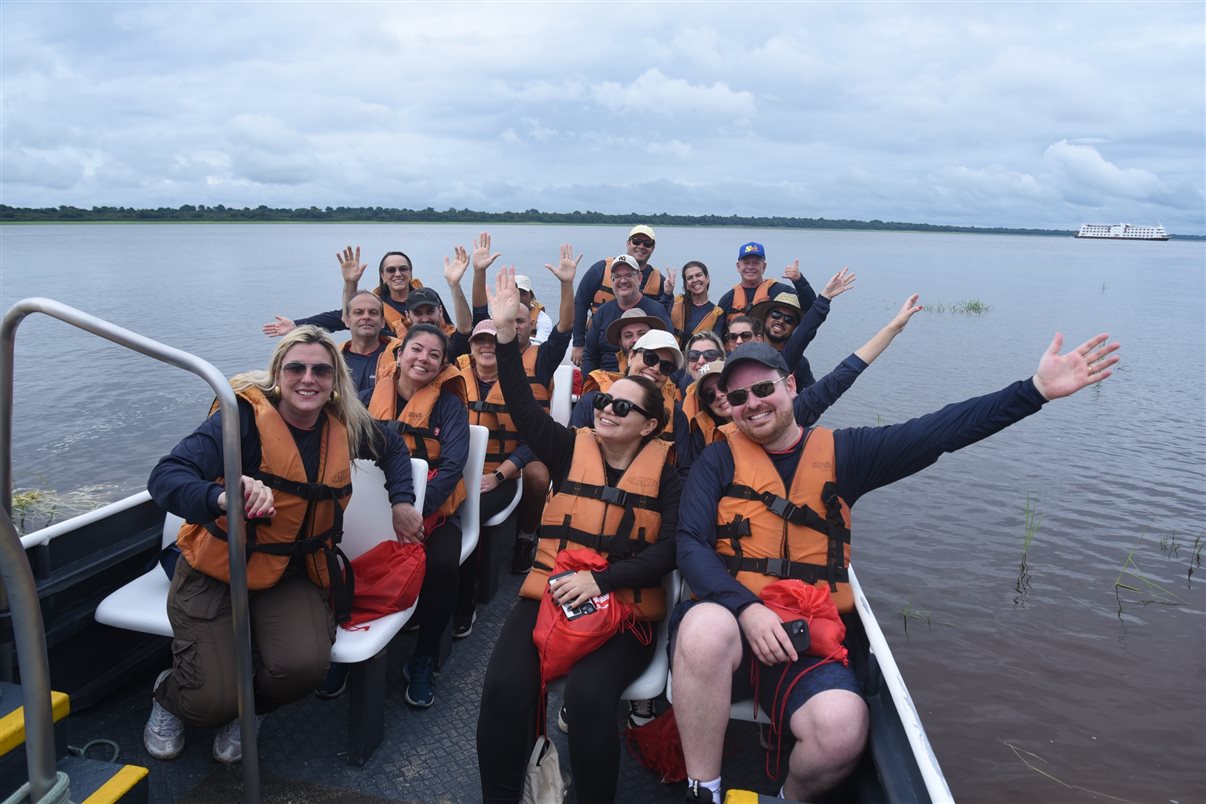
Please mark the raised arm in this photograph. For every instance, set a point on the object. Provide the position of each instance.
(882, 339)
(454, 269)
(482, 259)
(352, 269)
(565, 271)
(804, 291)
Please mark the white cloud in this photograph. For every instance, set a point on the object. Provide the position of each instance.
(654, 93)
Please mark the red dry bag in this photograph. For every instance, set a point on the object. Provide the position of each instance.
(388, 579)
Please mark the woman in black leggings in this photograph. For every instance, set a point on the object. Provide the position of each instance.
(614, 491)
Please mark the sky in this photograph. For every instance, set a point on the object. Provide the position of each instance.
(1044, 115)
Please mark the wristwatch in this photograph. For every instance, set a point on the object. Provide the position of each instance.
(499, 476)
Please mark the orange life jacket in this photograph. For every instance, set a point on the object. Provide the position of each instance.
(764, 532)
(600, 380)
(492, 412)
(744, 300)
(678, 319)
(309, 516)
(617, 522)
(386, 359)
(413, 422)
(699, 416)
(535, 309)
(652, 287)
(399, 322)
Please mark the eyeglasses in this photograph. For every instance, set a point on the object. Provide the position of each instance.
(641, 241)
(620, 407)
(321, 371)
(738, 396)
(710, 395)
(707, 354)
(734, 337)
(666, 367)
(400, 269)
(787, 318)
(626, 276)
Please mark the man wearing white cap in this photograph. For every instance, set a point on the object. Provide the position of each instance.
(625, 277)
(596, 287)
(540, 319)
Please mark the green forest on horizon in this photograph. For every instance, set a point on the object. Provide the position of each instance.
(189, 213)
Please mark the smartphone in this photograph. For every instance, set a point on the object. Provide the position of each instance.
(571, 612)
(797, 632)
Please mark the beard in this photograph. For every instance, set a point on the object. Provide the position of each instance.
(764, 434)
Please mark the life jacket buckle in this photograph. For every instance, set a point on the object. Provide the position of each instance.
(614, 496)
(778, 506)
(778, 567)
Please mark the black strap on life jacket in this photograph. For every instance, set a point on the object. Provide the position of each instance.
(832, 525)
(782, 568)
(421, 435)
(339, 567)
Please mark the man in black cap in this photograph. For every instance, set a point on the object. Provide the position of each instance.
(773, 501)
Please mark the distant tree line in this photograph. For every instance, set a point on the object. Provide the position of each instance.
(219, 213)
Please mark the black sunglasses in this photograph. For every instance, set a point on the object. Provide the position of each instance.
(708, 395)
(620, 407)
(733, 337)
(666, 367)
(391, 270)
(707, 354)
(762, 390)
(641, 241)
(787, 318)
(321, 371)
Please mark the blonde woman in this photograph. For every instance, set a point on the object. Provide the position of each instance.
(300, 426)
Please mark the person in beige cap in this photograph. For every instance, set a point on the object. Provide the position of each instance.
(626, 330)
(625, 276)
(789, 331)
(596, 287)
(542, 323)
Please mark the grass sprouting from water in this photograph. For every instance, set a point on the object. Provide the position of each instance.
(969, 307)
(1018, 752)
(34, 509)
(1138, 582)
(1031, 524)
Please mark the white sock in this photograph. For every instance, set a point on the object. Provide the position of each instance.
(781, 793)
(713, 785)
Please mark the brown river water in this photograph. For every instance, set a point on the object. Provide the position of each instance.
(1078, 677)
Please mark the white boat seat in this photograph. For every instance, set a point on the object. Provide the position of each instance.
(471, 508)
(563, 387)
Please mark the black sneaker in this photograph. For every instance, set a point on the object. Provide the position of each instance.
(521, 558)
(698, 794)
(336, 682)
(563, 720)
(462, 624)
(640, 713)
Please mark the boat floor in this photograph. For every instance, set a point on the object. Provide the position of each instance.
(426, 755)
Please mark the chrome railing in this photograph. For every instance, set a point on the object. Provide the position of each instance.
(17, 576)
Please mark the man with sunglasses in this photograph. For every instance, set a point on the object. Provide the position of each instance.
(754, 287)
(773, 501)
(596, 287)
(599, 352)
(790, 332)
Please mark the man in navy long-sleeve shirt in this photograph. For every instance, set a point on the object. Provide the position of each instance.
(730, 626)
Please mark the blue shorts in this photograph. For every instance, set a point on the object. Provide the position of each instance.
(828, 676)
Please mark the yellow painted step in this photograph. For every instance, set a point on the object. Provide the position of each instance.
(122, 782)
(12, 725)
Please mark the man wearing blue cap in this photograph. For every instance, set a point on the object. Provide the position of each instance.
(755, 288)
(773, 502)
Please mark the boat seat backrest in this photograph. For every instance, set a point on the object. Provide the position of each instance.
(471, 508)
(563, 388)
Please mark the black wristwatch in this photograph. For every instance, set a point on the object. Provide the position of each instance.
(499, 476)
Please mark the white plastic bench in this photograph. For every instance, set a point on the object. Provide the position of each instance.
(563, 388)
(141, 605)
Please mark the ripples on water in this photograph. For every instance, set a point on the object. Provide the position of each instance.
(1106, 699)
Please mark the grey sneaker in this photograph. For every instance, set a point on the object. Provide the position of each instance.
(163, 736)
(563, 720)
(228, 742)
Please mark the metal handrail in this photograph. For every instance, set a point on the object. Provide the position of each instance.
(17, 577)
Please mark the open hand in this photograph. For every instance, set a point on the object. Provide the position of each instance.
(482, 258)
(1063, 375)
(455, 268)
(906, 312)
(281, 326)
(350, 265)
(838, 284)
(504, 303)
(568, 266)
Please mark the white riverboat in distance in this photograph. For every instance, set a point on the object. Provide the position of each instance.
(1121, 231)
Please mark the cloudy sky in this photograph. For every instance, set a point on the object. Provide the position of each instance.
(1041, 115)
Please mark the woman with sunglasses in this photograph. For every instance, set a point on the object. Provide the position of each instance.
(707, 408)
(692, 313)
(742, 329)
(300, 425)
(612, 488)
(424, 399)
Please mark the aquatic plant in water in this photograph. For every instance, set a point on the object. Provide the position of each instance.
(969, 307)
(34, 509)
(1031, 524)
(1138, 582)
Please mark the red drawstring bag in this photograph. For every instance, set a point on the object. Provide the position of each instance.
(657, 746)
(388, 579)
(796, 600)
(560, 642)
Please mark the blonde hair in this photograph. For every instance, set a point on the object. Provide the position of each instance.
(343, 404)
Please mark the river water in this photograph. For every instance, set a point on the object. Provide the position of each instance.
(1052, 684)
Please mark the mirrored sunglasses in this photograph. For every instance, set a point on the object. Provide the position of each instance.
(762, 390)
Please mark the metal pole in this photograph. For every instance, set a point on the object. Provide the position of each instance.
(28, 644)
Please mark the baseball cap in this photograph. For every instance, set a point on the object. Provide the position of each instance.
(634, 316)
(760, 309)
(656, 339)
(642, 229)
(421, 296)
(484, 327)
(628, 260)
(751, 250)
(752, 353)
(523, 282)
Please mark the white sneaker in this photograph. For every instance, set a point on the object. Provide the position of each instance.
(228, 742)
(163, 736)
